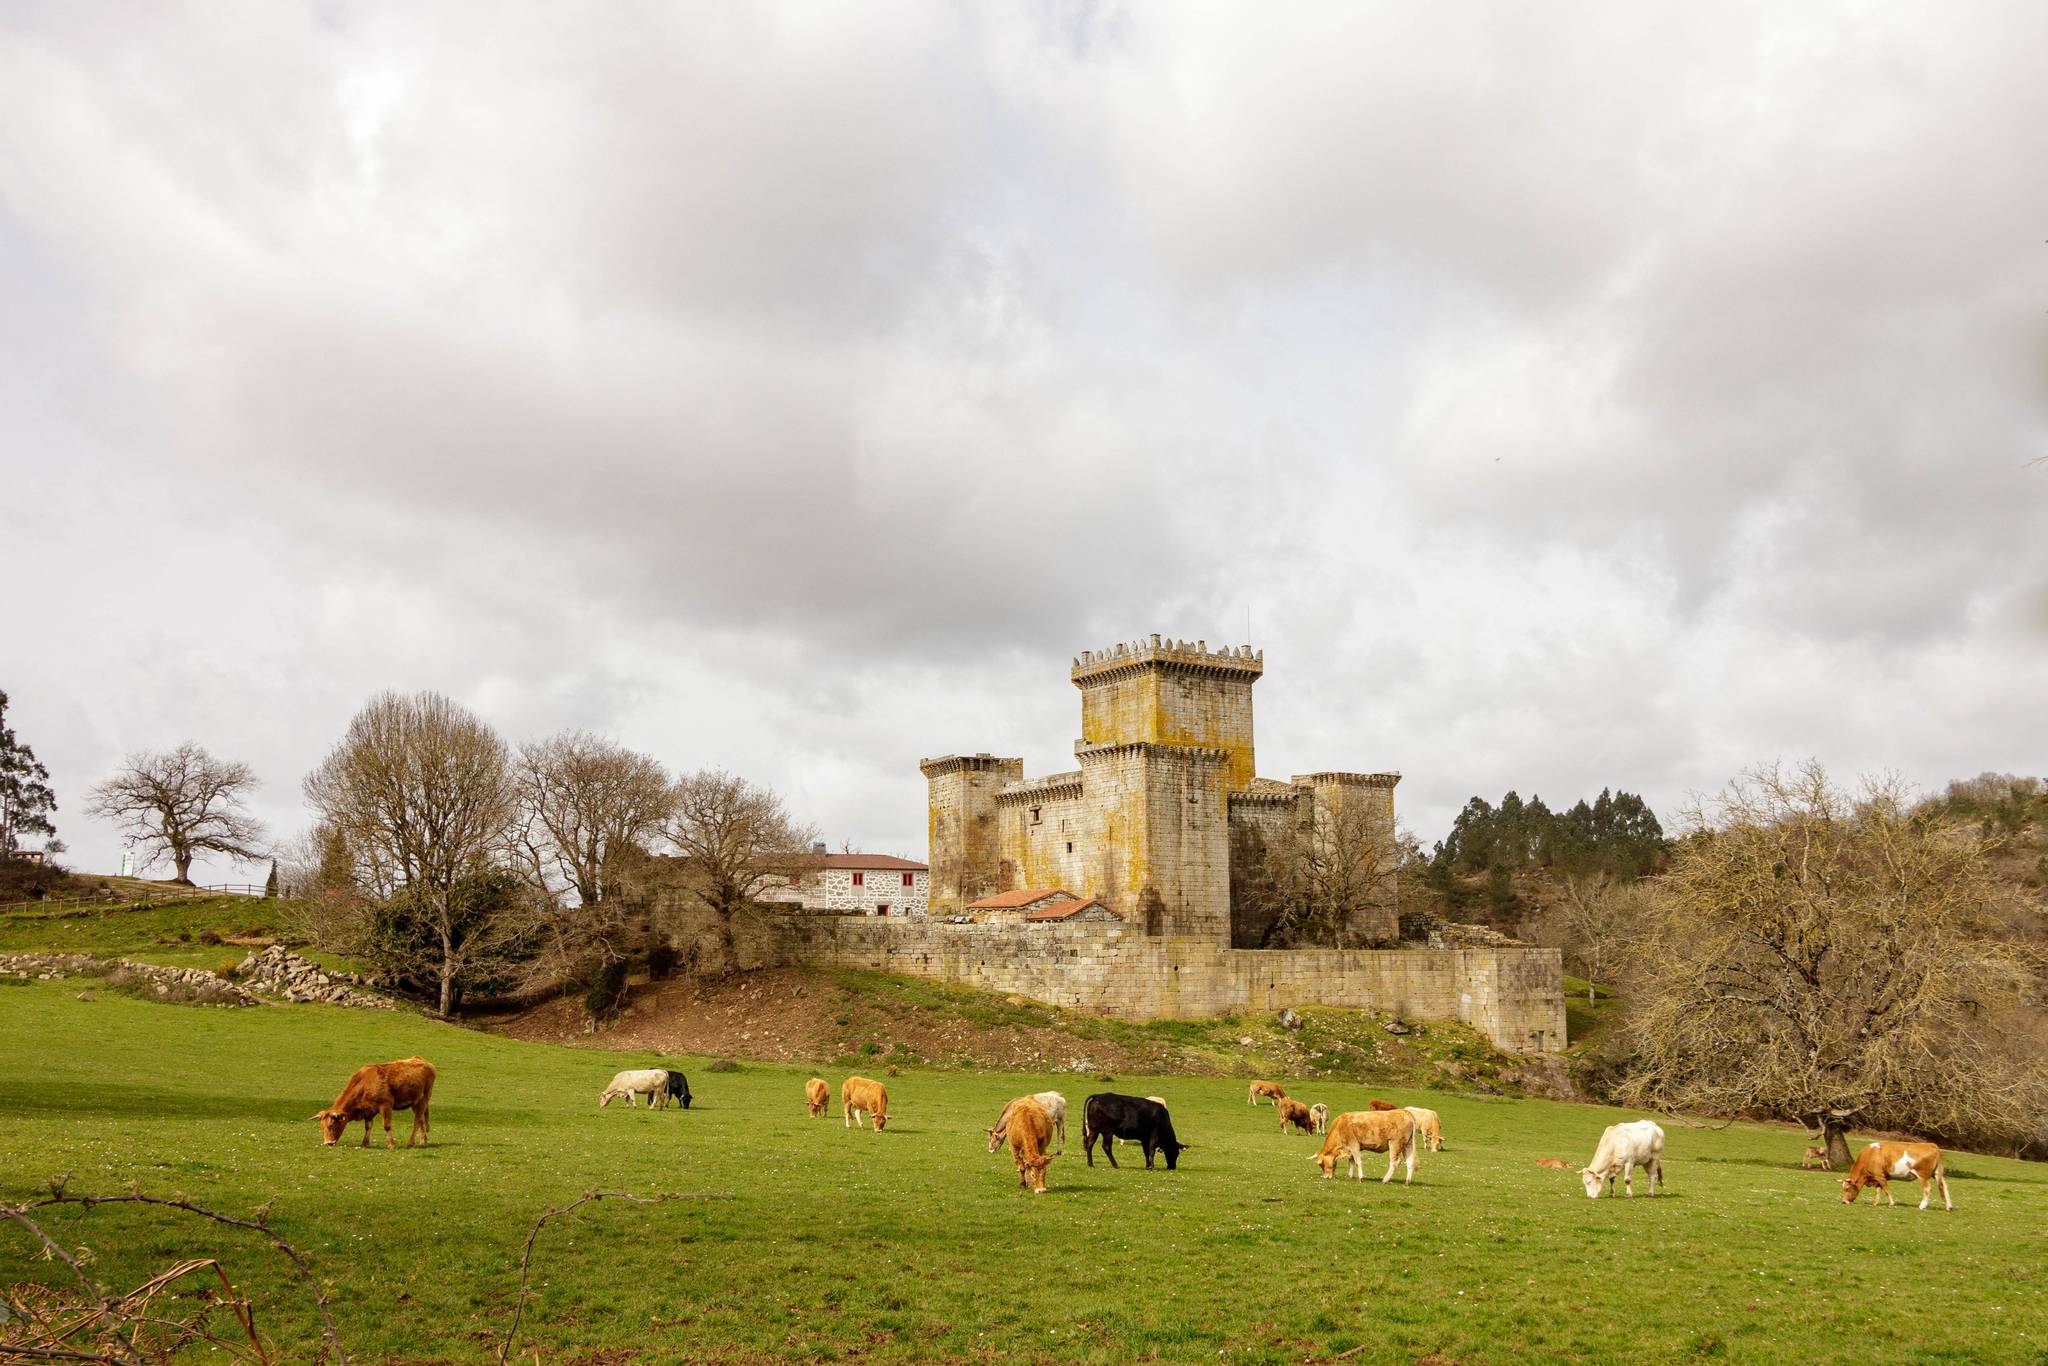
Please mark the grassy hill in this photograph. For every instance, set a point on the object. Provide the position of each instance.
(801, 1240)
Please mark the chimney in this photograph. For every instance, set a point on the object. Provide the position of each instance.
(818, 848)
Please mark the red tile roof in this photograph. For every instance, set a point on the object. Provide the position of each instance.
(889, 861)
(1065, 909)
(1023, 896)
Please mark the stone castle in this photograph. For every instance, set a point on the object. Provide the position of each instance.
(1146, 826)
(1166, 790)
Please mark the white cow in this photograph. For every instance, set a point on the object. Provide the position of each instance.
(1429, 1126)
(1055, 1109)
(1623, 1148)
(651, 1082)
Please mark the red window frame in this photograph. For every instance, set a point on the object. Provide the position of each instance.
(858, 879)
(906, 880)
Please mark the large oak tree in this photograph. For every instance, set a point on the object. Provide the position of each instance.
(180, 803)
(1836, 960)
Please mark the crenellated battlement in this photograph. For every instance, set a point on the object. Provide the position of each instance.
(966, 763)
(1346, 779)
(1052, 787)
(1156, 651)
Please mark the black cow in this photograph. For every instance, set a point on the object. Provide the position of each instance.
(679, 1088)
(1146, 1121)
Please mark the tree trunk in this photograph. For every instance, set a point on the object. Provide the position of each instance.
(447, 987)
(183, 858)
(727, 950)
(1837, 1144)
(1590, 989)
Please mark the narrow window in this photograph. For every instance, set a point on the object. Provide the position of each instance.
(1070, 846)
(906, 880)
(860, 879)
(1035, 814)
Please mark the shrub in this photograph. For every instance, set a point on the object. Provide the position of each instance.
(605, 990)
(870, 1048)
(722, 1065)
(210, 938)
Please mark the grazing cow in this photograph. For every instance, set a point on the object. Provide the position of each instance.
(1055, 1108)
(634, 1083)
(1429, 1126)
(1027, 1125)
(1294, 1113)
(1820, 1155)
(1555, 1163)
(678, 1088)
(1320, 1113)
(817, 1095)
(1265, 1090)
(1156, 1100)
(1623, 1148)
(1878, 1163)
(1106, 1116)
(376, 1090)
(858, 1095)
(1358, 1132)
(1381, 1105)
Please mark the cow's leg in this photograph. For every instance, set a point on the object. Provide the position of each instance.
(1941, 1176)
(846, 1113)
(1926, 1190)
(1628, 1178)
(1088, 1143)
(1062, 1127)
(368, 1120)
(1393, 1160)
(389, 1141)
(1409, 1179)
(1655, 1167)
(1109, 1153)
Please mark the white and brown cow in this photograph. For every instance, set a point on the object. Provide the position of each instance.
(1879, 1163)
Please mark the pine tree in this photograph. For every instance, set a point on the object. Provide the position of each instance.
(25, 797)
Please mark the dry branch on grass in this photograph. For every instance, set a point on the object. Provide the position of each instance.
(118, 1322)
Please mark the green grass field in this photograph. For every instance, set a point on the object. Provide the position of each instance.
(808, 1242)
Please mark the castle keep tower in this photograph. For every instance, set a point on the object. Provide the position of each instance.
(1172, 693)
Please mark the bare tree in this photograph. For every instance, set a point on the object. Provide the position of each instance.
(1326, 877)
(1832, 961)
(1597, 921)
(180, 803)
(583, 799)
(734, 840)
(420, 794)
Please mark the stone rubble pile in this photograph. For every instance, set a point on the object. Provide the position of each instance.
(281, 972)
(48, 967)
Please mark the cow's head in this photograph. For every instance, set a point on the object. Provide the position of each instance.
(331, 1122)
(1851, 1188)
(1328, 1162)
(1035, 1174)
(995, 1139)
(1173, 1148)
(1593, 1182)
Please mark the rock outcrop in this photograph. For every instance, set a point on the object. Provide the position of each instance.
(280, 972)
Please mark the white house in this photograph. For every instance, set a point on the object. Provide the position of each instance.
(865, 884)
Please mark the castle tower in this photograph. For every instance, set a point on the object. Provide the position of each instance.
(1172, 692)
(1164, 851)
(964, 840)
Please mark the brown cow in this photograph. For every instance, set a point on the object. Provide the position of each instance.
(1555, 1163)
(817, 1095)
(378, 1089)
(1028, 1127)
(1293, 1112)
(857, 1094)
(1381, 1105)
(1879, 1162)
(1265, 1090)
(1820, 1155)
(1353, 1135)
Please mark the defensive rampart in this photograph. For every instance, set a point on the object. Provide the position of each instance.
(1512, 995)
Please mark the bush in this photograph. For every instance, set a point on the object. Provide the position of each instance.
(722, 1065)
(209, 937)
(870, 1048)
(605, 990)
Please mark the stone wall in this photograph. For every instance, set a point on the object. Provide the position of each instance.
(1512, 995)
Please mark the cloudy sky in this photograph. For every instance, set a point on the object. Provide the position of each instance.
(1569, 395)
